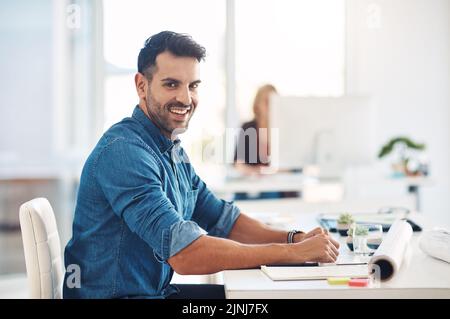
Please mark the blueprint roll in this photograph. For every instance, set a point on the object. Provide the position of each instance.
(389, 256)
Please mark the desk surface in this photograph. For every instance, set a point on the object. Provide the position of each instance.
(263, 183)
(297, 182)
(420, 276)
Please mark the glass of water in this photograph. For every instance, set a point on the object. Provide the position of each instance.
(366, 238)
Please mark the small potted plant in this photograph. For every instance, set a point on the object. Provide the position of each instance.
(407, 163)
(344, 222)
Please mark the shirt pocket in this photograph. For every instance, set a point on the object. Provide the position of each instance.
(189, 203)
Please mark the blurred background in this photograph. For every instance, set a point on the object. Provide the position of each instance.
(67, 71)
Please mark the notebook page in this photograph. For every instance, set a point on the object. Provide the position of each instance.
(313, 273)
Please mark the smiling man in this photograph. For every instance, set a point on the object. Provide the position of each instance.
(142, 212)
(169, 90)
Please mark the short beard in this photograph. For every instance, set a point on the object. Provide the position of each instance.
(157, 114)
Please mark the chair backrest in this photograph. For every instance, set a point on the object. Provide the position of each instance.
(42, 249)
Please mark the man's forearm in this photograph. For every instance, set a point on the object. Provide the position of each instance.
(251, 231)
(208, 255)
(252, 244)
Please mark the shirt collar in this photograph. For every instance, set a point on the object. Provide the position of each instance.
(164, 143)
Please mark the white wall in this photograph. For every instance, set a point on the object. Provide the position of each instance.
(25, 80)
(398, 51)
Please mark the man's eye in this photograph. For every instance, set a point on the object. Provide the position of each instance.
(171, 85)
(194, 86)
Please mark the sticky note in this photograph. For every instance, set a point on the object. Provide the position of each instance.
(358, 282)
(338, 280)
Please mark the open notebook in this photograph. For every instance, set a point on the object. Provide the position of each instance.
(313, 273)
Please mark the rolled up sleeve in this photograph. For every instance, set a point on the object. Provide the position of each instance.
(183, 233)
(133, 187)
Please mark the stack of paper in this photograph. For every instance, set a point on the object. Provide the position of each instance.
(436, 243)
(316, 272)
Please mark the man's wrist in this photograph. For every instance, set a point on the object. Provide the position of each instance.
(299, 237)
(294, 236)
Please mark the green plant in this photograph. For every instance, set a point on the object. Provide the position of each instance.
(350, 230)
(361, 231)
(405, 163)
(405, 142)
(345, 218)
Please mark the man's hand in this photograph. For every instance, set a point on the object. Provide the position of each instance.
(316, 231)
(319, 247)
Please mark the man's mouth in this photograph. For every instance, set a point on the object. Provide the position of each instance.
(179, 110)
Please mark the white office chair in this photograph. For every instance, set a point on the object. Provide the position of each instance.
(42, 249)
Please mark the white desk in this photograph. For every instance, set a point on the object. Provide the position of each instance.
(420, 276)
(262, 183)
(318, 190)
(309, 187)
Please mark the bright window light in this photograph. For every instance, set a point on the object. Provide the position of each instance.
(296, 45)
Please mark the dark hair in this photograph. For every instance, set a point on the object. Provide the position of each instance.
(176, 43)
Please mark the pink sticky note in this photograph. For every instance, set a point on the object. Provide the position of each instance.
(356, 282)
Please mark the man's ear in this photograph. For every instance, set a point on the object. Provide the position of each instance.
(141, 85)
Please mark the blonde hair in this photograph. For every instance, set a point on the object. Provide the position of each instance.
(262, 91)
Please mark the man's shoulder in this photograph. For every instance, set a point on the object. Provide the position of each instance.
(126, 128)
(123, 139)
(127, 131)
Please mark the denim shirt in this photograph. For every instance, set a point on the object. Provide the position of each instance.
(139, 203)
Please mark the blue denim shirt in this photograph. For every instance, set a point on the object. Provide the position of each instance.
(139, 203)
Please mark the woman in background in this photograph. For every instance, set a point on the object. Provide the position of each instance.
(253, 153)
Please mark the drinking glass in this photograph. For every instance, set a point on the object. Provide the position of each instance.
(366, 238)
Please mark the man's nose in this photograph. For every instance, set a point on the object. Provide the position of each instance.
(184, 96)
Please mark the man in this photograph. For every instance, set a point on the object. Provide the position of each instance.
(142, 212)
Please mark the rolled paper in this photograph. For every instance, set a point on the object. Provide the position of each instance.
(388, 258)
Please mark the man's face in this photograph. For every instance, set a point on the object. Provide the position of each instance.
(172, 92)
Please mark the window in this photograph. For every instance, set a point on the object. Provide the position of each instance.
(298, 46)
